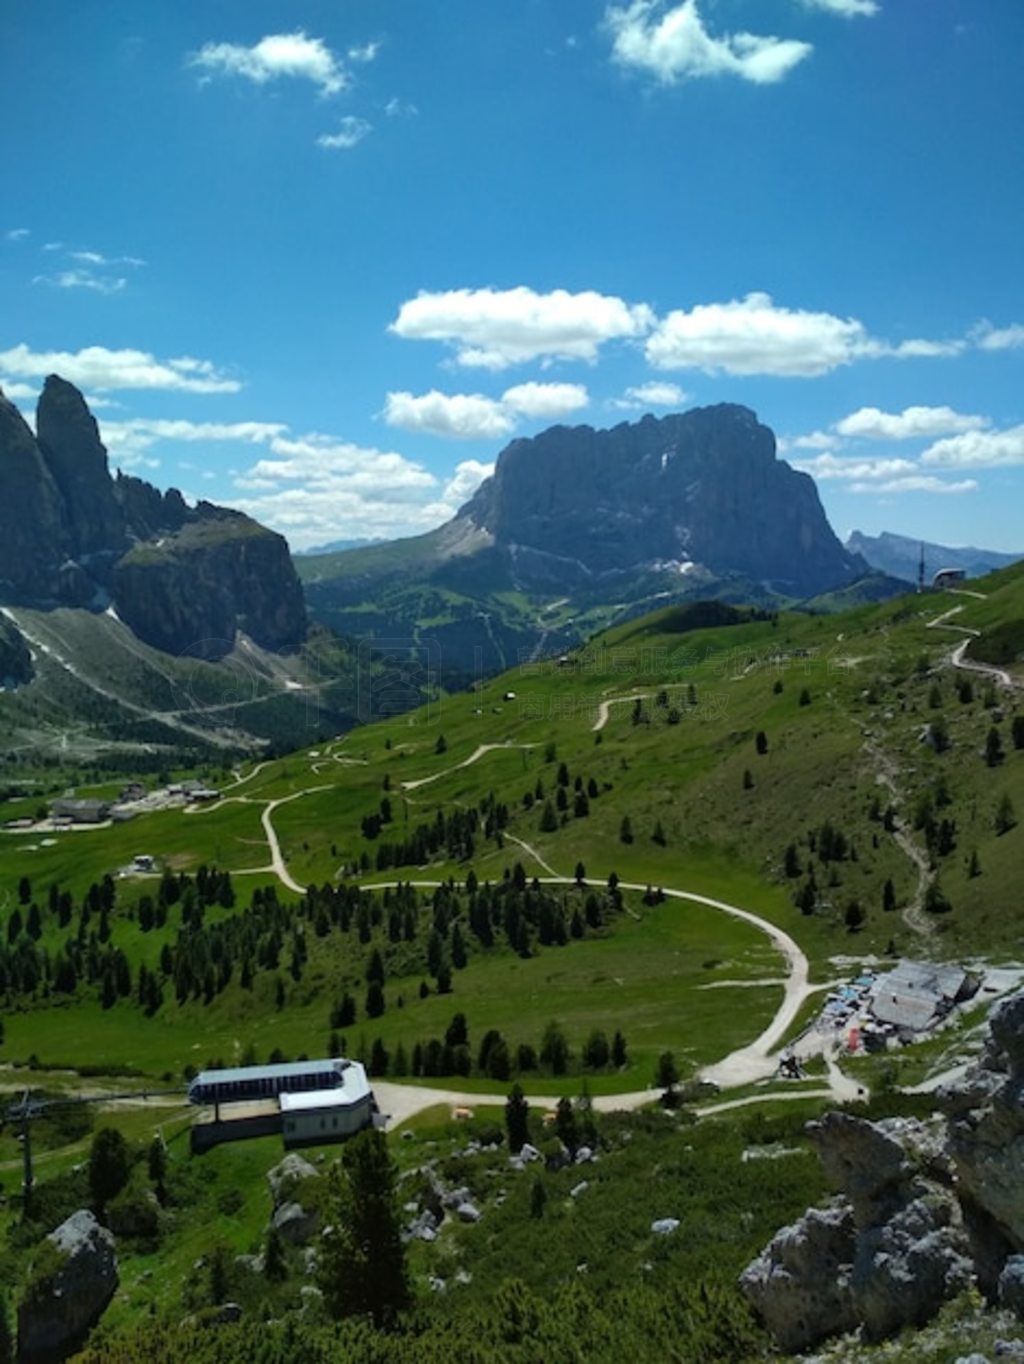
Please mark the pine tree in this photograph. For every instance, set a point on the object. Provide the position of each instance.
(618, 1051)
(761, 742)
(888, 896)
(626, 830)
(517, 1115)
(109, 1166)
(993, 748)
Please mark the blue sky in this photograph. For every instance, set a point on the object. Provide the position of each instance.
(323, 260)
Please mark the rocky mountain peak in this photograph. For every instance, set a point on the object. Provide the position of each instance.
(181, 578)
(69, 440)
(703, 486)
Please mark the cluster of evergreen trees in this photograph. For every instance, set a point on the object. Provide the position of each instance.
(496, 1058)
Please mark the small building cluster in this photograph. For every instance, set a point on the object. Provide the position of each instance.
(917, 995)
(310, 1103)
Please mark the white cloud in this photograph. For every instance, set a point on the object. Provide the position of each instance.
(978, 449)
(400, 108)
(18, 393)
(495, 328)
(458, 416)
(655, 394)
(365, 53)
(127, 440)
(53, 246)
(814, 440)
(278, 54)
(314, 488)
(916, 483)
(910, 424)
(674, 44)
(18, 234)
(350, 133)
(829, 466)
(464, 482)
(474, 416)
(919, 348)
(987, 337)
(83, 279)
(754, 336)
(847, 8)
(100, 368)
(97, 258)
(545, 401)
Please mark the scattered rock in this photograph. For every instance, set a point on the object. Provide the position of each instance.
(68, 1301)
(528, 1152)
(1011, 1285)
(468, 1212)
(287, 1175)
(295, 1224)
(579, 1188)
(925, 1209)
(583, 1155)
(664, 1226)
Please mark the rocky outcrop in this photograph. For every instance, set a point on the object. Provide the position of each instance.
(986, 1131)
(184, 579)
(222, 572)
(923, 1210)
(78, 1282)
(69, 440)
(32, 546)
(704, 487)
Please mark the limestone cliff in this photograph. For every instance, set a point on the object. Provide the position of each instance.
(222, 572)
(182, 578)
(702, 487)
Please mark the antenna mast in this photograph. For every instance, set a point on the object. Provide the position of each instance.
(920, 570)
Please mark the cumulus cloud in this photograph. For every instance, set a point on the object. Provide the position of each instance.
(978, 449)
(293, 55)
(910, 424)
(674, 44)
(457, 416)
(754, 336)
(849, 9)
(495, 328)
(987, 337)
(474, 416)
(128, 440)
(545, 401)
(314, 487)
(830, 466)
(814, 440)
(18, 393)
(468, 476)
(103, 369)
(654, 394)
(350, 133)
(916, 483)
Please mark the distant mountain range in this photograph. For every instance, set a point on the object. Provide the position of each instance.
(578, 527)
(900, 556)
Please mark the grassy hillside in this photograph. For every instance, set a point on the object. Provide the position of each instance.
(668, 790)
(833, 775)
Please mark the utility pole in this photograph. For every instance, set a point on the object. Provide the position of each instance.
(920, 570)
